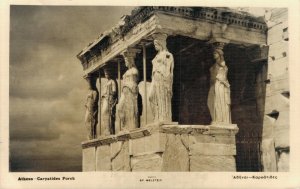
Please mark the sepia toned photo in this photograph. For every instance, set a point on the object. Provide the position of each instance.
(148, 92)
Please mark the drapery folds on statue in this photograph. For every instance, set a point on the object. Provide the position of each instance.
(127, 108)
(160, 94)
(219, 93)
(91, 114)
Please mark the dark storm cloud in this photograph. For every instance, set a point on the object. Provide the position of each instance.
(44, 44)
(47, 92)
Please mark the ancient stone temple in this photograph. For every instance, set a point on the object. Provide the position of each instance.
(186, 89)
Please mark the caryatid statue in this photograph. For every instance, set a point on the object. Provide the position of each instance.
(219, 93)
(127, 108)
(91, 114)
(160, 95)
(108, 106)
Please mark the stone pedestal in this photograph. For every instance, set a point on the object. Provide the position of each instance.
(164, 147)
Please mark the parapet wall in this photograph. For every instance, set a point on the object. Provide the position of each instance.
(164, 147)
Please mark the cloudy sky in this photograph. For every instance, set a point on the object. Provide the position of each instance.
(47, 91)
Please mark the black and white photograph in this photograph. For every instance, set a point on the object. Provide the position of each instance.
(149, 92)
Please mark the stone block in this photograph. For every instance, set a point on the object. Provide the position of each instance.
(138, 133)
(176, 156)
(212, 163)
(105, 140)
(280, 15)
(275, 33)
(268, 127)
(279, 83)
(277, 49)
(155, 142)
(276, 102)
(89, 159)
(182, 129)
(268, 157)
(148, 162)
(278, 67)
(120, 156)
(219, 139)
(148, 144)
(282, 137)
(281, 130)
(283, 163)
(222, 129)
(198, 148)
(283, 119)
(103, 162)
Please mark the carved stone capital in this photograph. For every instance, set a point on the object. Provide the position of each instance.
(217, 42)
(160, 38)
(130, 52)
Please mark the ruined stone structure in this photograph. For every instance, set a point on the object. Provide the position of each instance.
(196, 92)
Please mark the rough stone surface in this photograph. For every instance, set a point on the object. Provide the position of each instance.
(103, 162)
(212, 163)
(212, 149)
(175, 157)
(222, 129)
(268, 127)
(283, 162)
(219, 139)
(276, 49)
(278, 67)
(148, 162)
(89, 159)
(275, 33)
(276, 102)
(120, 156)
(279, 83)
(281, 131)
(147, 145)
(268, 157)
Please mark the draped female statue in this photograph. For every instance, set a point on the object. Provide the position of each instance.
(127, 108)
(108, 100)
(91, 114)
(160, 94)
(219, 93)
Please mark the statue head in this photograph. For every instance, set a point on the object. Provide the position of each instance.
(160, 41)
(107, 73)
(129, 62)
(218, 52)
(129, 56)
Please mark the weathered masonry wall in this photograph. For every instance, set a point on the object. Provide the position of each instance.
(164, 148)
(275, 140)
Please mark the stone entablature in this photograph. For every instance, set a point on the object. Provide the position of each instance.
(141, 21)
(164, 147)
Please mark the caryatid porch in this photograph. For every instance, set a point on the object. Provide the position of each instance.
(149, 143)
